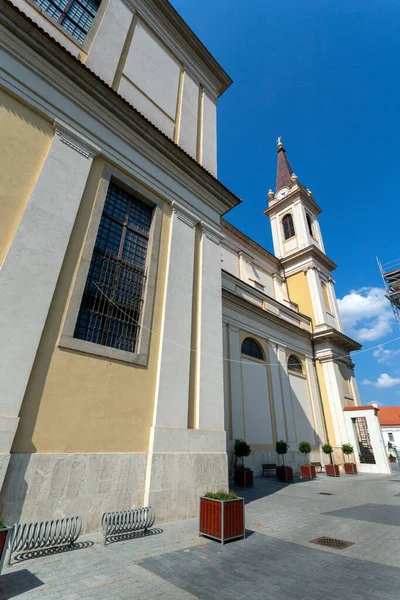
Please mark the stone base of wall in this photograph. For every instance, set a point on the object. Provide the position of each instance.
(49, 486)
(179, 479)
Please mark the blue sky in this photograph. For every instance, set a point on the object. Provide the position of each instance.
(324, 76)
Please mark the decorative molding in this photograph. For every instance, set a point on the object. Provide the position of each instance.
(74, 140)
(184, 215)
(211, 233)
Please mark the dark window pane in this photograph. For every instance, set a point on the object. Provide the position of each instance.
(288, 227)
(76, 17)
(294, 364)
(112, 300)
(252, 348)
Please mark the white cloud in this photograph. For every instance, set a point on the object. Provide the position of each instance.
(384, 381)
(375, 403)
(385, 356)
(366, 314)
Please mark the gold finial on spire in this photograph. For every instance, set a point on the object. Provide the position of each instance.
(278, 141)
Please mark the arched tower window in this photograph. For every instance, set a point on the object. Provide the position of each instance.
(252, 348)
(310, 225)
(288, 227)
(294, 364)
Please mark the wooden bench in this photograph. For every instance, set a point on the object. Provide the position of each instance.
(268, 468)
(317, 465)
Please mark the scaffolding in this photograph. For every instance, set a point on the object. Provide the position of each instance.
(391, 278)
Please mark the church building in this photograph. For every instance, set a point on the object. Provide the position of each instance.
(141, 333)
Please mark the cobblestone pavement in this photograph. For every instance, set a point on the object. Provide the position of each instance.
(276, 561)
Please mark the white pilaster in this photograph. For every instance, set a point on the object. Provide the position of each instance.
(287, 402)
(281, 432)
(300, 224)
(31, 268)
(209, 377)
(314, 283)
(236, 383)
(315, 400)
(334, 304)
(172, 390)
(333, 382)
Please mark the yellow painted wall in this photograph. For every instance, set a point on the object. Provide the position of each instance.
(80, 403)
(25, 139)
(299, 292)
(325, 402)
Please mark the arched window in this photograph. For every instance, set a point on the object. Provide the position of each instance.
(288, 227)
(294, 364)
(310, 225)
(252, 348)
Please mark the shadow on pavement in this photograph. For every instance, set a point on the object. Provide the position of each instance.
(29, 554)
(17, 583)
(263, 486)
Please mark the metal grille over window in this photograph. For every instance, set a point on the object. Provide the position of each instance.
(364, 442)
(111, 305)
(288, 226)
(252, 348)
(294, 364)
(76, 16)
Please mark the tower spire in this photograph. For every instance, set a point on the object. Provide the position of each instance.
(284, 170)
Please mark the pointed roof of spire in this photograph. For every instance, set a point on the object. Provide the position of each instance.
(284, 171)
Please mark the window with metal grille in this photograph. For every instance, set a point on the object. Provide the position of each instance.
(76, 16)
(288, 227)
(252, 348)
(112, 300)
(294, 364)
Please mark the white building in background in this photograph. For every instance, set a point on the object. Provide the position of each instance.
(389, 418)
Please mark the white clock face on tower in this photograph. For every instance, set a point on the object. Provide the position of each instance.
(282, 193)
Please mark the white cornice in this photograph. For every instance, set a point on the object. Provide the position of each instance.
(296, 194)
(109, 122)
(72, 138)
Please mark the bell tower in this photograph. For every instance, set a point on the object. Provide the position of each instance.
(298, 243)
(307, 271)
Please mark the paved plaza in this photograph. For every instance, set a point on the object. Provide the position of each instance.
(276, 561)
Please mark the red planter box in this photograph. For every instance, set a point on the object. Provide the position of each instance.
(5, 535)
(350, 468)
(243, 478)
(308, 472)
(332, 470)
(222, 520)
(284, 474)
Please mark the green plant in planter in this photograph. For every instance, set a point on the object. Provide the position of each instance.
(305, 448)
(347, 449)
(281, 448)
(221, 495)
(2, 524)
(327, 449)
(241, 450)
(391, 457)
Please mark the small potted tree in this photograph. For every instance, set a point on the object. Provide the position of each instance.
(222, 516)
(5, 534)
(283, 473)
(392, 458)
(307, 471)
(243, 475)
(349, 468)
(332, 470)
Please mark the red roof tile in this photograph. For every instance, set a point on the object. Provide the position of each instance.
(389, 415)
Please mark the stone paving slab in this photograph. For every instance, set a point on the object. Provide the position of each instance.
(276, 561)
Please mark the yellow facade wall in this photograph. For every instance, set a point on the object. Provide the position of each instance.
(326, 405)
(25, 139)
(299, 292)
(76, 402)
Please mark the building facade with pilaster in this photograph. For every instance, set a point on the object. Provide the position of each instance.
(119, 388)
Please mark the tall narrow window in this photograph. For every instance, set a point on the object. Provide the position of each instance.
(310, 224)
(76, 16)
(288, 227)
(111, 305)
